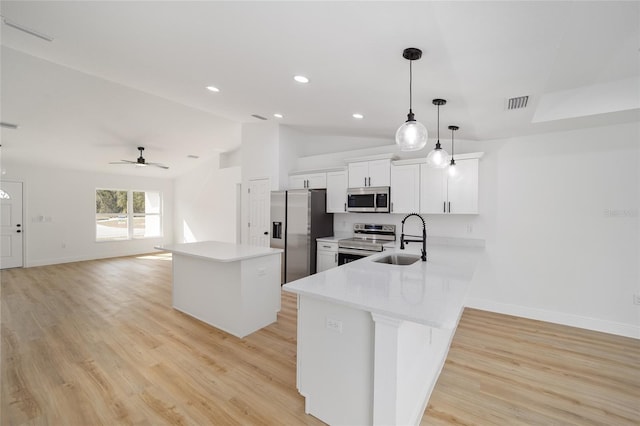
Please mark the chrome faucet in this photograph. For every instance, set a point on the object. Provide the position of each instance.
(403, 240)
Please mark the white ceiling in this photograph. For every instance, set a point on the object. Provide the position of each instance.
(123, 74)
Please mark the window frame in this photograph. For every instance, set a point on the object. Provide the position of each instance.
(131, 215)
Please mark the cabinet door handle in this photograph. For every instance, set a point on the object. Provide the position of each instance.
(365, 181)
(449, 206)
(369, 181)
(335, 259)
(345, 207)
(444, 207)
(391, 211)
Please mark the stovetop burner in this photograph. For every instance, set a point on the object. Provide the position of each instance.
(369, 236)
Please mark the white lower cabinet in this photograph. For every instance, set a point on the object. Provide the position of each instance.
(441, 194)
(405, 188)
(327, 255)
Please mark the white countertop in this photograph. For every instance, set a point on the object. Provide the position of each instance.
(430, 293)
(219, 251)
(332, 239)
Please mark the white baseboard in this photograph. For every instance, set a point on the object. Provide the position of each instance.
(70, 259)
(595, 324)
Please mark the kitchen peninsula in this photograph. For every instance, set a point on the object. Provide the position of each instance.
(373, 337)
(233, 287)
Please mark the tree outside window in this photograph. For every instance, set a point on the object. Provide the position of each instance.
(122, 215)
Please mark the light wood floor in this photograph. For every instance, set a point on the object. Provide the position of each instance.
(97, 342)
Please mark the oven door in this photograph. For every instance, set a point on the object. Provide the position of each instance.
(346, 255)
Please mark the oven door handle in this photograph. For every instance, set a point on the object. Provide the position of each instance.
(363, 253)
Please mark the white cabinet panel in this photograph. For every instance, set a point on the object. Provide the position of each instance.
(441, 194)
(358, 174)
(327, 256)
(370, 173)
(380, 172)
(433, 190)
(405, 188)
(463, 192)
(337, 192)
(308, 181)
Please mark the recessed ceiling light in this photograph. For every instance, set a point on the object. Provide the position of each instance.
(301, 79)
(358, 116)
(276, 115)
(213, 88)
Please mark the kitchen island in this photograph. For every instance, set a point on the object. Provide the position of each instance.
(233, 287)
(373, 337)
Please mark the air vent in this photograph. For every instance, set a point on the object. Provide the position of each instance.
(517, 103)
(259, 117)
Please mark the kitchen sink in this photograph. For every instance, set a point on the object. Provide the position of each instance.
(399, 259)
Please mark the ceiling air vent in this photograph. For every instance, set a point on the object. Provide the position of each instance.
(517, 103)
(259, 117)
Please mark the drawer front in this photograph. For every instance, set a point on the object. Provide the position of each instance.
(327, 246)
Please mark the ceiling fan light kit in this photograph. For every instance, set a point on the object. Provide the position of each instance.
(412, 135)
(140, 161)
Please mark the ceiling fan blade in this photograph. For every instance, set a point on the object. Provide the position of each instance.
(123, 162)
(162, 166)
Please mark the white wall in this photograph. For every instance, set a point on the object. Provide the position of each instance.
(265, 154)
(68, 198)
(562, 234)
(206, 205)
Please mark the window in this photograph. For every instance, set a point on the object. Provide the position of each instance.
(123, 215)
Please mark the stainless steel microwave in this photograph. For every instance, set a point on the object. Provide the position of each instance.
(369, 199)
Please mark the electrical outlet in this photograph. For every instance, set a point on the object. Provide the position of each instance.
(333, 325)
(636, 299)
(469, 229)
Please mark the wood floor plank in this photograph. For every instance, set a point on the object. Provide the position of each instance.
(98, 342)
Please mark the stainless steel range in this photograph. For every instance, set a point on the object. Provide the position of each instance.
(368, 239)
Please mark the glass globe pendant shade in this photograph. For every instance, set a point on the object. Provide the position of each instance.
(411, 136)
(438, 158)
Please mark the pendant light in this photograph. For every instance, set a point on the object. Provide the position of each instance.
(438, 157)
(452, 171)
(412, 135)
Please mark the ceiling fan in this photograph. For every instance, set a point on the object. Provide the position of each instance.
(140, 161)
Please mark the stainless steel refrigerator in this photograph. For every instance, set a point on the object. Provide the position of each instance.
(298, 217)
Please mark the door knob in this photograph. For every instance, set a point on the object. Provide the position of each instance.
(18, 231)
(18, 225)
(266, 232)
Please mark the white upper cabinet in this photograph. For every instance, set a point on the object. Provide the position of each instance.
(337, 191)
(405, 188)
(308, 181)
(370, 173)
(441, 194)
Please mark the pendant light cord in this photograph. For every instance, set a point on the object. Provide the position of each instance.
(438, 124)
(410, 86)
(452, 150)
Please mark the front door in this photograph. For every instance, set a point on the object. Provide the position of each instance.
(11, 221)
(259, 211)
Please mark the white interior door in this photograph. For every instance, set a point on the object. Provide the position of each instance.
(259, 211)
(12, 225)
